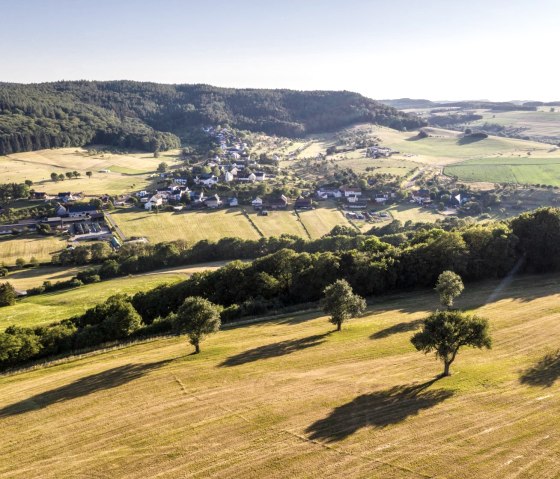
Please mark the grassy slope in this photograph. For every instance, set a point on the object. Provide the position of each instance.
(46, 308)
(287, 399)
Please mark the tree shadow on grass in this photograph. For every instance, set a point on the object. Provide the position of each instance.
(397, 328)
(544, 373)
(274, 350)
(111, 378)
(378, 409)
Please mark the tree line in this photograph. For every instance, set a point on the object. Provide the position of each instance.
(527, 243)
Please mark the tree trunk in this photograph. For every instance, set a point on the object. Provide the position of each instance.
(196, 348)
(446, 366)
(339, 326)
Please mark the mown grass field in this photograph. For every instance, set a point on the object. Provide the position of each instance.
(127, 172)
(187, 225)
(323, 219)
(534, 123)
(27, 247)
(197, 225)
(508, 170)
(32, 277)
(289, 398)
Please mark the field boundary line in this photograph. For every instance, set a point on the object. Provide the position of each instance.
(303, 224)
(253, 224)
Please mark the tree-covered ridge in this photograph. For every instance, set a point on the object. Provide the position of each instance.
(153, 116)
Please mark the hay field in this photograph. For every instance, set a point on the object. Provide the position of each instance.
(288, 398)
(126, 170)
(27, 247)
(190, 226)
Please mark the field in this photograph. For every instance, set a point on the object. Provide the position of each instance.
(409, 212)
(322, 220)
(127, 172)
(542, 123)
(32, 277)
(509, 170)
(50, 307)
(289, 398)
(212, 225)
(27, 247)
(190, 226)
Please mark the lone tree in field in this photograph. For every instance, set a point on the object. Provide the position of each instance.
(197, 317)
(54, 177)
(89, 174)
(445, 332)
(341, 303)
(7, 294)
(449, 286)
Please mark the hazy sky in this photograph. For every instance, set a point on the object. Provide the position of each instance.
(437, 49)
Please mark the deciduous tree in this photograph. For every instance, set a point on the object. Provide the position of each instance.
(341, 303)
(197, 317)
(445, 332)
(449, 286)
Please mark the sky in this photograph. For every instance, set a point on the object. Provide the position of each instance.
(437, 49)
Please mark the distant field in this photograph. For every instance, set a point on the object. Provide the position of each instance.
(189, 226)
(33, 277)
(405, 212)
(322, 220)
(128, 172)
(534, 123)
(27, 247)
(47, 308)
(288, 398)
(508, 170)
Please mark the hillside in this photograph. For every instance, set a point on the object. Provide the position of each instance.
(287, 398)
(152, 116)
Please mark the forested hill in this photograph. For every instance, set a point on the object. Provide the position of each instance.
(152, 116)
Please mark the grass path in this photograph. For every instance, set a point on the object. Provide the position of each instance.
(287, 398)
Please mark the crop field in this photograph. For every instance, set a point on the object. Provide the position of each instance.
(290, 398)
(127, 172)
(189, 226)
(405, 212)
(509, 170)
(27, 247)
(322, 220)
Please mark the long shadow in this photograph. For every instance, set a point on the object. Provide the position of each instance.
(111, 378)
(378, 409)
(467, 140)
(397, 328)
(544, 373)
(274, 350)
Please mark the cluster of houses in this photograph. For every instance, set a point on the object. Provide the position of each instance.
(229, 173)
(353, 197)
(380, 152)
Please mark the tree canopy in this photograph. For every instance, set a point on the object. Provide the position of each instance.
(445, 332)
(341, 303)
(449, 286)
(197, 317)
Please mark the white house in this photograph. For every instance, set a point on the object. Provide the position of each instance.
(260, 176)
(257, 202)
(233, 202)
(328, 192)
(207, 180)
(213, 202)
(155, 201)
(251, 177)
(349, 191)
(381, 198)
(228, 176)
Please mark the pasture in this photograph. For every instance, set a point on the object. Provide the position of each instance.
(541, 123)
(323, 219)
(290, 398)
(27, 247)
(128, 172)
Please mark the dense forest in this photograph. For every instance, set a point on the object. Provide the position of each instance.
(151, 116)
